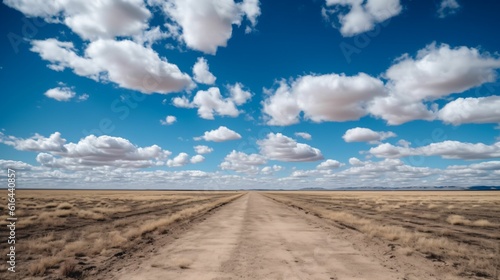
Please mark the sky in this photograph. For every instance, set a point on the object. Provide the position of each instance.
(224, 94)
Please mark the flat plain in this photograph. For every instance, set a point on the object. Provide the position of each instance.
(256, 235)
(457, 229)
(75, 234)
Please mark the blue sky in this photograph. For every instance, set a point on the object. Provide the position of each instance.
(257, 93)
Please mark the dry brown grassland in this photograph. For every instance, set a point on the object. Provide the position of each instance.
(74, 233)
(459, 229)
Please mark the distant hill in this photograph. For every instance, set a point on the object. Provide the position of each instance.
(425, 188)
(484, 188)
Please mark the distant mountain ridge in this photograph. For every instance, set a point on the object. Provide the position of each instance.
(426, 188)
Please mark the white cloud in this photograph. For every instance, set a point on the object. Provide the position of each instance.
(447, 7)
(283, 148)
(182, 102)
(388, 171)
(267, 170)
(89, 152)
(398, 109)
(329, 97)
(355, 161)
(329, 164)
(238, 94)
(220, 134)
(91, 20)
(241, 162)
(168, 120)
(210, 102)
(471, 110)
(201, 73)
(126, 63)
(60, 93)
(180, 160)
(201, 149)
(362, 15)
(303, 135)
(13, 164)
(207, 25)
(281, 107)
(445, 149)
(361, 134)
(149, 37)
(251, 8)
(83, 97)
(197, 159)
(436, 72)
(385, 173)
(486, 165)
(37, 143)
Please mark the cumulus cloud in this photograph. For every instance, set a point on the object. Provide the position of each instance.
(60, 93)
(208, 25)
(362, 15)
(125, 63)
(241, 162)
(238, 94)
(355, 161)
(471, 110)
(281, 107)
(446, 149)
(182, 102)
(91, 20)
(197, 159)
(447, 7)
(37, 143)
(83, 97)
(14, 164)
(201, 73)
(436, 72)
(362, 134)
(303, 135)
(329, 97)
(151, 36)
(180, 160)
(389, 170)
(220, 134)
(91, 151)
(210, 102)
(486, 165)
(329, 164)
(168, 120)
(201, 149)
(267, 170)
(283, 148)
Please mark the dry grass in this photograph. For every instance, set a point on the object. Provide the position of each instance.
(95, 226)
(457, 220)
(39, 267)
(86, 214)
(460, 228)
(65, 206)
(68, 268)
(482, 223)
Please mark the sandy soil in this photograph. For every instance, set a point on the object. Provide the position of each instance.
(255, 237)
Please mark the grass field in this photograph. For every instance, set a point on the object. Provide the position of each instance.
(460, 229)
(66, 233)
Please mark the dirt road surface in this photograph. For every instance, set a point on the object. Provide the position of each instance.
(257, 238)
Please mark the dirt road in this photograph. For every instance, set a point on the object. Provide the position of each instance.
(257, 238)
